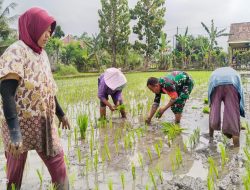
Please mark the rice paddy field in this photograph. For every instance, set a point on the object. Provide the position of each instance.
(126, 154)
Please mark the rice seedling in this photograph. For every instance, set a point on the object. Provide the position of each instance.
(121, 107)
(194, 107)
(72, 179)
(149, 154)
(69, 141)
(96, 161)
(79, 155)
(123, 180)
(75, 135)
(106, 147)
(247, 153)
(210, 183)
(96, 187)
(66, 160)
(178, 157)
(223, 153)
(13, 186)
(116, 144)
(87, 165)
(153, 179)
(205, 100)
(82, 121)
(147, 187)
(141, 161)
(103, 157)
(60, 132)
(160, 144)
(160, 175)
(40, 176)
(206, 109)
(110, 184)
(91, 145)
(213, 171)
(171, 130)
(52, 186)
(194, 138)
(157, 150)
(133, 170)
(110, 123)
(173, 166)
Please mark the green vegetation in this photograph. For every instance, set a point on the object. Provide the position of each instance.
(82, 121)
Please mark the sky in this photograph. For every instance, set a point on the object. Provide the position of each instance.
(78, 16)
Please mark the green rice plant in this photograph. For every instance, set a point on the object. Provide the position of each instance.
(210, 183)
(206, 109)
(110, 123)
(103, 157)
(133, 170)
(149, 154)
(247, 153)
(141, 161)
(72, 179)
(75, 135)
(106, 147)
(171, 130)
(157, 150)
(194, 138)
(121, 107)
(247, 140)
(102, 122)
(66, 160)
(147, 187)
(194, 107)
(110, 184)
(160, 144)
(69, 140)
(40, 176)
(87, 165)
(60, 132)
(91, 145)
(13, 186)
(178, 157)
(123, 180)
(96, 187)
(223, 153)
(173, 166)
(205, 100)
(96, 160)
(213, 171)
(116, 144)
(160, 175)
(82, 121)
(52, 186)
(79, 155)
(153, 179)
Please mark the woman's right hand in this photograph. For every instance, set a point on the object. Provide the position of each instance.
(15, 148)
(112, 108)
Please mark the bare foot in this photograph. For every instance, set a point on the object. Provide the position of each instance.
(236, 141)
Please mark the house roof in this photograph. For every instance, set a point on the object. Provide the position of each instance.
(240, 32)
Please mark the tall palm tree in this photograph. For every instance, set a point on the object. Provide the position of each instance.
(4, 19)
(213, 34)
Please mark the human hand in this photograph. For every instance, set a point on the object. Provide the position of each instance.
(112, 108)
(148, 121)
(160, 112)
(15, 148)
(64, 122)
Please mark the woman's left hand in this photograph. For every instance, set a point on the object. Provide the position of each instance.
(64, 122)
(160, 112)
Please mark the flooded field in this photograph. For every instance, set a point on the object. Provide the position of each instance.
(126, 154)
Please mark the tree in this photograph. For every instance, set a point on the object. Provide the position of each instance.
(149, 15)
(213, 34)
(4, 20)
(58, 32)
(53, 47)
(114, 27)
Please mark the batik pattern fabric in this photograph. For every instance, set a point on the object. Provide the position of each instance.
(35, 102)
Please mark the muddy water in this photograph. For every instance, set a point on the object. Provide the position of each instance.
(191, 174)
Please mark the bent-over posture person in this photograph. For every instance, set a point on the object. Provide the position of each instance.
(111, 82)
(225, 86)
(29, 102)
(178, 85)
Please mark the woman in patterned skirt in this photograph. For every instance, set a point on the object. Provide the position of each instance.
(29, 101)
(178, 85)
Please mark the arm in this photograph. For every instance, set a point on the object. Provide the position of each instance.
(61, 116)
(102, 95)
(154, 107)
(8, 88)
